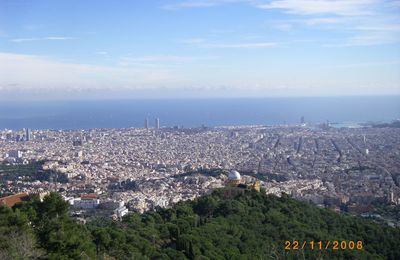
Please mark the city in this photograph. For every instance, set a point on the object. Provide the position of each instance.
(138, 169)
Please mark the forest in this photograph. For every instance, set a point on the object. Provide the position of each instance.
(230, 223)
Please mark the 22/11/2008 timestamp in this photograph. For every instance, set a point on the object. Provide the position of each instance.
(323, 245)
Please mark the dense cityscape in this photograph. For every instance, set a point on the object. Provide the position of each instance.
(112, 171)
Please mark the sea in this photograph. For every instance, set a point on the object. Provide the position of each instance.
(189, 113)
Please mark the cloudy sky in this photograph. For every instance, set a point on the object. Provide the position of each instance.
(198, 48)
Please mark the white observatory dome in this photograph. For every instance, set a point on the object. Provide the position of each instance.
(234, 175)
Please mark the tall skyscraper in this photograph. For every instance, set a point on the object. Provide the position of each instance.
(302, 120)
(28, 134)
(157, 123)
(146, 123)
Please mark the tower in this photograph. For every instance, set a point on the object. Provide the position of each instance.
(365, 144)
(146, 123)
(257, 186)
(157, 123)
(28, 135)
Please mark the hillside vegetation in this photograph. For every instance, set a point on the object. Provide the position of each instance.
(230, 223)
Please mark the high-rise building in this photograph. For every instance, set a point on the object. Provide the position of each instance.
(77, 142)
(28, 134)
(9, 136)
(157, 123)
(146, 123)
(302, 121)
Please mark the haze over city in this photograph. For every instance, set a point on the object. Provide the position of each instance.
(203, 48)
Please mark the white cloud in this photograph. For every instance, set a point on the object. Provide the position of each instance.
(166, 58)
(303, 7)
(315, 7)
(37, 72)
(200, 4)
(367, 20)
(50, 38)
(370, 21)
(44, 76)
(366, 39)
(58, 38)
(24, 39)
(203, 43)
(254, 45)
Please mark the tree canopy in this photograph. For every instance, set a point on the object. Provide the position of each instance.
(230, 223)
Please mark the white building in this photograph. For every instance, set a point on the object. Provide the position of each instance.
(121, 211)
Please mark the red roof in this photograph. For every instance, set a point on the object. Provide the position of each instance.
(11, 200)
(89, 196)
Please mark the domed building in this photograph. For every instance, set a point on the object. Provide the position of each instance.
(234, 178)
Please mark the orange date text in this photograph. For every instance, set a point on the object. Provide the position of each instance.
(324, 245)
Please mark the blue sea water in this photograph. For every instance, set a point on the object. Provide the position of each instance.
(196, 112)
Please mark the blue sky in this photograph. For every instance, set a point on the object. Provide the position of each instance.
(198, 48)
